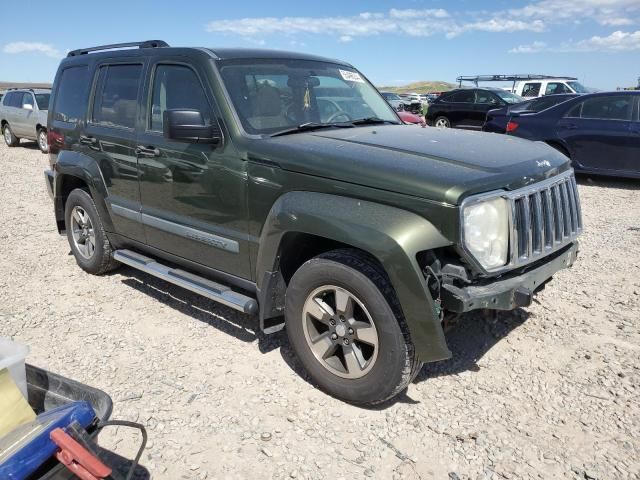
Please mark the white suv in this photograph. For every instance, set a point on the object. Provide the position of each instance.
(548, 86)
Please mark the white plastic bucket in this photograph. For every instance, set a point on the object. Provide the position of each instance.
(12, 357)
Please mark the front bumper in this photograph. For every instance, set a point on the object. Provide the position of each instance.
(508, 292)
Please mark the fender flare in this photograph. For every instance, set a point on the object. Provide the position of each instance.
(85, 168)
(392, 235)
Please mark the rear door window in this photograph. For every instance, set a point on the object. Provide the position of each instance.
(116, 100)
(619, 107)
(14, 99)
(463, 96)
(531, 89)
(176, 87)
(71, 97)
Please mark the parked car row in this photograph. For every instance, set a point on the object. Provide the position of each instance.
(23, 114)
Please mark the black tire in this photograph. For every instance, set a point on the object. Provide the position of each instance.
(396, 363)
(100, 261)
(43, 144)
(9, 138)
(442, 122)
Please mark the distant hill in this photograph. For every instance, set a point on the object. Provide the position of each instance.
(420, 87)
(8, 85)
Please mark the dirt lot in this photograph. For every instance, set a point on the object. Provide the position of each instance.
(551, 391)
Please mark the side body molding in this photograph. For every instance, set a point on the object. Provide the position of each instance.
(391, 235)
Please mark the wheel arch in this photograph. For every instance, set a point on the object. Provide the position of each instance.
(302, 225)
(75, 170)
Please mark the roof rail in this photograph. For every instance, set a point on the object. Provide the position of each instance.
(507, 78)
(144, 44)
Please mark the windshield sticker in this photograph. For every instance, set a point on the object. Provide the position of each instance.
(351, 76)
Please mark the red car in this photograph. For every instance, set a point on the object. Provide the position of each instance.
(408, 117)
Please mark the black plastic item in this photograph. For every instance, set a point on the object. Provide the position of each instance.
(48, 390)
(144, 44)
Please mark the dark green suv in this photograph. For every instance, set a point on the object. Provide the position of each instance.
(284, 186)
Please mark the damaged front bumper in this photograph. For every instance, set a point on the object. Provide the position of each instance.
(508, 292)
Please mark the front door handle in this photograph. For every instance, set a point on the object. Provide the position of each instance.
(87, 140)
(147, 151)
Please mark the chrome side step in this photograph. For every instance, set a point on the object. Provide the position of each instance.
(202, 286)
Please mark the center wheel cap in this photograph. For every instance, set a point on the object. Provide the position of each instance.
(341, 330)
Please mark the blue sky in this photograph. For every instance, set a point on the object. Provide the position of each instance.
(390, 42)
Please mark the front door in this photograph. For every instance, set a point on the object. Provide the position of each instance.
(597, 132)
(193, 195)
(485, 101)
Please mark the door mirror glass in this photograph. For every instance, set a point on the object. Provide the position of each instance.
(188, 125)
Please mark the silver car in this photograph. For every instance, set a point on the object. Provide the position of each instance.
(23, 114)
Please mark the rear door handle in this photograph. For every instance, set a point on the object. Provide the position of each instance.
(147, 151)
(87, 140)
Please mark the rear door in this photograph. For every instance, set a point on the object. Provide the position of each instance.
(634, 141)
(484, 102)
(461, 108)
(193, 195)
(110, 138)
(598, 132)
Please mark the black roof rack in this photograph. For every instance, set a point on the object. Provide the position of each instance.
(144, 44)
(507, 78)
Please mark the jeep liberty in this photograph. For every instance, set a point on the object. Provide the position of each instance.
(284, 186)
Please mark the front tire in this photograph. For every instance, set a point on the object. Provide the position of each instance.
(9, 138)
(346, 327)
(42, 141)
(442, 122)
(86, 235)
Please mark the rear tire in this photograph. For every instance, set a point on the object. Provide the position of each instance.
(9, 138)
(442, 122)
(42, 140)
(372, 358)
(86, 235)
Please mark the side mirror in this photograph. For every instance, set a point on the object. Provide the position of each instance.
(187, 125)
(27, 106)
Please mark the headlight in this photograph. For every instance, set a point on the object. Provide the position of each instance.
(486, 232)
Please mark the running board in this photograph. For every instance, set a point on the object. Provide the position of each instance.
(201, 286)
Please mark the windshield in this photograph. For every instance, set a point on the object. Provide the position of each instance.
(508, 96)
(43, 100)
(272, 95)
(391, 96)
(577, 87)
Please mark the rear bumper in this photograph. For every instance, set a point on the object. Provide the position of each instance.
(509, 292)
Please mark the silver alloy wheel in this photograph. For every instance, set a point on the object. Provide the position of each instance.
(340, 332)
(7, 135)
(84, 237)
(442, 123)
(42, 140)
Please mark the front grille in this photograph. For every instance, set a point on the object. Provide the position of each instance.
(544, 218)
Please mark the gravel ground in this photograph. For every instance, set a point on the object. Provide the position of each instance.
(551, 391)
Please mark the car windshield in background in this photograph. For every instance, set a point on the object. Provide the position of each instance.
(391, 96)
(43, 100)
(508, 96)
(577, 87)
(274, 95)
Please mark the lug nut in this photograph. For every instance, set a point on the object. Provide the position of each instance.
(341, 318)
(332, 321)
(334, 336)
(351, 331)
(346, 341)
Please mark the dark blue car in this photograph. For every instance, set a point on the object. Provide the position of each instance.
(498, 119)
(599, 132)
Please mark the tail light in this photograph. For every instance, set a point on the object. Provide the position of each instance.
(512, 126)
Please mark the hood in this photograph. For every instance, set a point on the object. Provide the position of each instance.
(443, 165)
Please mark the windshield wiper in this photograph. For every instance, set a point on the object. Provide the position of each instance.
(309, 126)
(372, 121)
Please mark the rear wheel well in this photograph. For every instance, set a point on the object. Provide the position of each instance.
(68, 184)
(40, 127)
(2, 124)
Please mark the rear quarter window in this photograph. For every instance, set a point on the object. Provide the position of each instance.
(71, 98)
